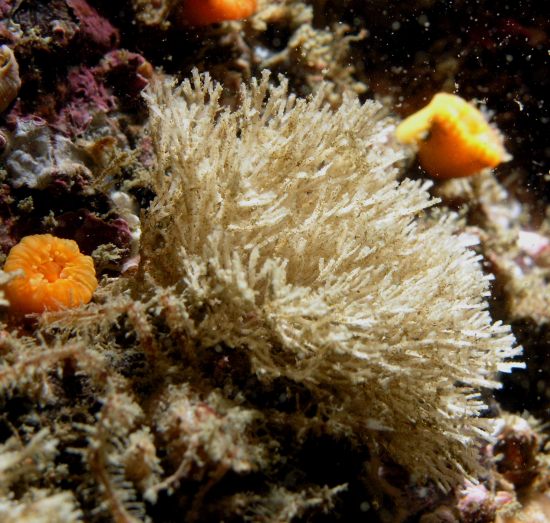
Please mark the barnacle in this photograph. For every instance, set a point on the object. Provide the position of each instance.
(55, 275)
(205, 12)
(9, 77)
(454, 138)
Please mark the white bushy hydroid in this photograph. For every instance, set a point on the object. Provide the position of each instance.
(282, 229)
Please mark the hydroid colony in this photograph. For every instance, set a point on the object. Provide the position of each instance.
(282, 229)
(279, 234)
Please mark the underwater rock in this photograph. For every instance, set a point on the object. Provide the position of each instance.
(7, 238)
(90, 231)
(37, 155)
(128, 73)
(54, 25)
(93, 28)
(535, 509)
(517, 451)
(153, 13)
(86, 97)
(5, 7)
(476, 504)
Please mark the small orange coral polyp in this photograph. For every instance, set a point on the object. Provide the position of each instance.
(454, 138)
(206, 12)
(55, 275)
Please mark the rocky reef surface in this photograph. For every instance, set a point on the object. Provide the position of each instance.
(293, 322)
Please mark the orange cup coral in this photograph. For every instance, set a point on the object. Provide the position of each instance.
(56, 275)
(454, 138)
(205, 12)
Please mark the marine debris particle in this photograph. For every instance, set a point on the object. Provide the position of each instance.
(54, 275)
(454, 138)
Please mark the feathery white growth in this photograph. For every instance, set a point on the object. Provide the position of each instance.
(283, 229)
(44, 508)
(29, 462)
(17, 461)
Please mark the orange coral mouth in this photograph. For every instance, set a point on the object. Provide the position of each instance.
(454, 138)
(55, 275)
(205, 12)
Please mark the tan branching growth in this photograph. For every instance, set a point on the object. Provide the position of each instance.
(30, 368)
(279, 504)
(279, 228)
(22, 464)
(4, 278)
(192, 430)
(42, 508)
(108, 439)
(19, 461)
(36, 370)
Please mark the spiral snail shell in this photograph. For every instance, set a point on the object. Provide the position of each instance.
(9, 77)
